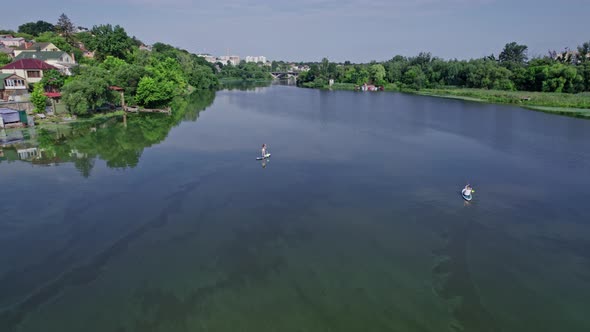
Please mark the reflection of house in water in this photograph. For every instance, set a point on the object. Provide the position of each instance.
(11, 136)
(77, 154)
(10, 118)
(27, 154)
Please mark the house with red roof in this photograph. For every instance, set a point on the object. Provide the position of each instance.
(31, 69)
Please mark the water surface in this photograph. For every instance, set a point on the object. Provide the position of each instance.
(355, 224)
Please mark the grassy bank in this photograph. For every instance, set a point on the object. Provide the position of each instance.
(57, 121)
(577, 105)
(560, 103)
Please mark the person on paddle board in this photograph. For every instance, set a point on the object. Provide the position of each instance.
(264, 150)
(467, 190)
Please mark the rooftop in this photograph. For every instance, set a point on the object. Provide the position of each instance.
(49, 55)
(28, 64)
(7, 111)
(33, 47)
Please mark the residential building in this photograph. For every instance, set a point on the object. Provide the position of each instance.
(10, 41)
(59, 59)
(81, 29)
(31, 69)
(299, 68)
(208, 57)
(7, 50)
(85, 52)
(232, 59)
(145, 47)
(36, 47)
(10, 118)
(12, 87)
(256, 59)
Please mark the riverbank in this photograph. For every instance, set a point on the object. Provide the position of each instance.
(576, 105)
(238, 80)
(52, 122)
(559, 103)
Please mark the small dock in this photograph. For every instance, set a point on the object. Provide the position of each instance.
(167, 111)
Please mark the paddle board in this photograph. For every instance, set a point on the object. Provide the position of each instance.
(265, 157)
(467, 198)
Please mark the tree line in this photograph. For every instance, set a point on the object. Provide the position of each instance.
(150, 78)
(246, 71)
(567, 71)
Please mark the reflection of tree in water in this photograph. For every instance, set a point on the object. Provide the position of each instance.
(119, 145)
(246, 85)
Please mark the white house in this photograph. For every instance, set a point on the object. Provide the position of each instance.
(30, 69)
(36, 47)
(61, 60)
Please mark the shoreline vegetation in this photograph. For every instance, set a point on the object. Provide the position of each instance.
(556, 83)
(575, 105)
(116, 71)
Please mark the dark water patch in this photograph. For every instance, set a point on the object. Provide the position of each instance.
(89, 272)
(456, 283)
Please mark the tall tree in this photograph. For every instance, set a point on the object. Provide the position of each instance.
(35, 28)
(109, 40)
(65, 27)
(38, 98)
(513, 54)
(377, 72)
(584, 52)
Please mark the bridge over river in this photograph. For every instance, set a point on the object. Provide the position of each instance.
(284, 74)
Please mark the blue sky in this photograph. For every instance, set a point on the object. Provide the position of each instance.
(355, 30)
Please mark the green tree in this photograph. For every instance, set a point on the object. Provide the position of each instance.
(377, 74)
(35, 28)
(109, 40)
(513, 54)
(128, 76)
(87, 91)
(53, 80)
(395, 70)
(361, 75)
(38, 98)
(112, 63)
(65, 27)
(4, 59)
(584, 52)
(165, 82)
(414, 78)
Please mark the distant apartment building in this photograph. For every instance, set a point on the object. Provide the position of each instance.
(208, 57)
(224, 59)
(256, 59)
(231, 59)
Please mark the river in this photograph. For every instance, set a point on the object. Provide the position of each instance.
(168, 223)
